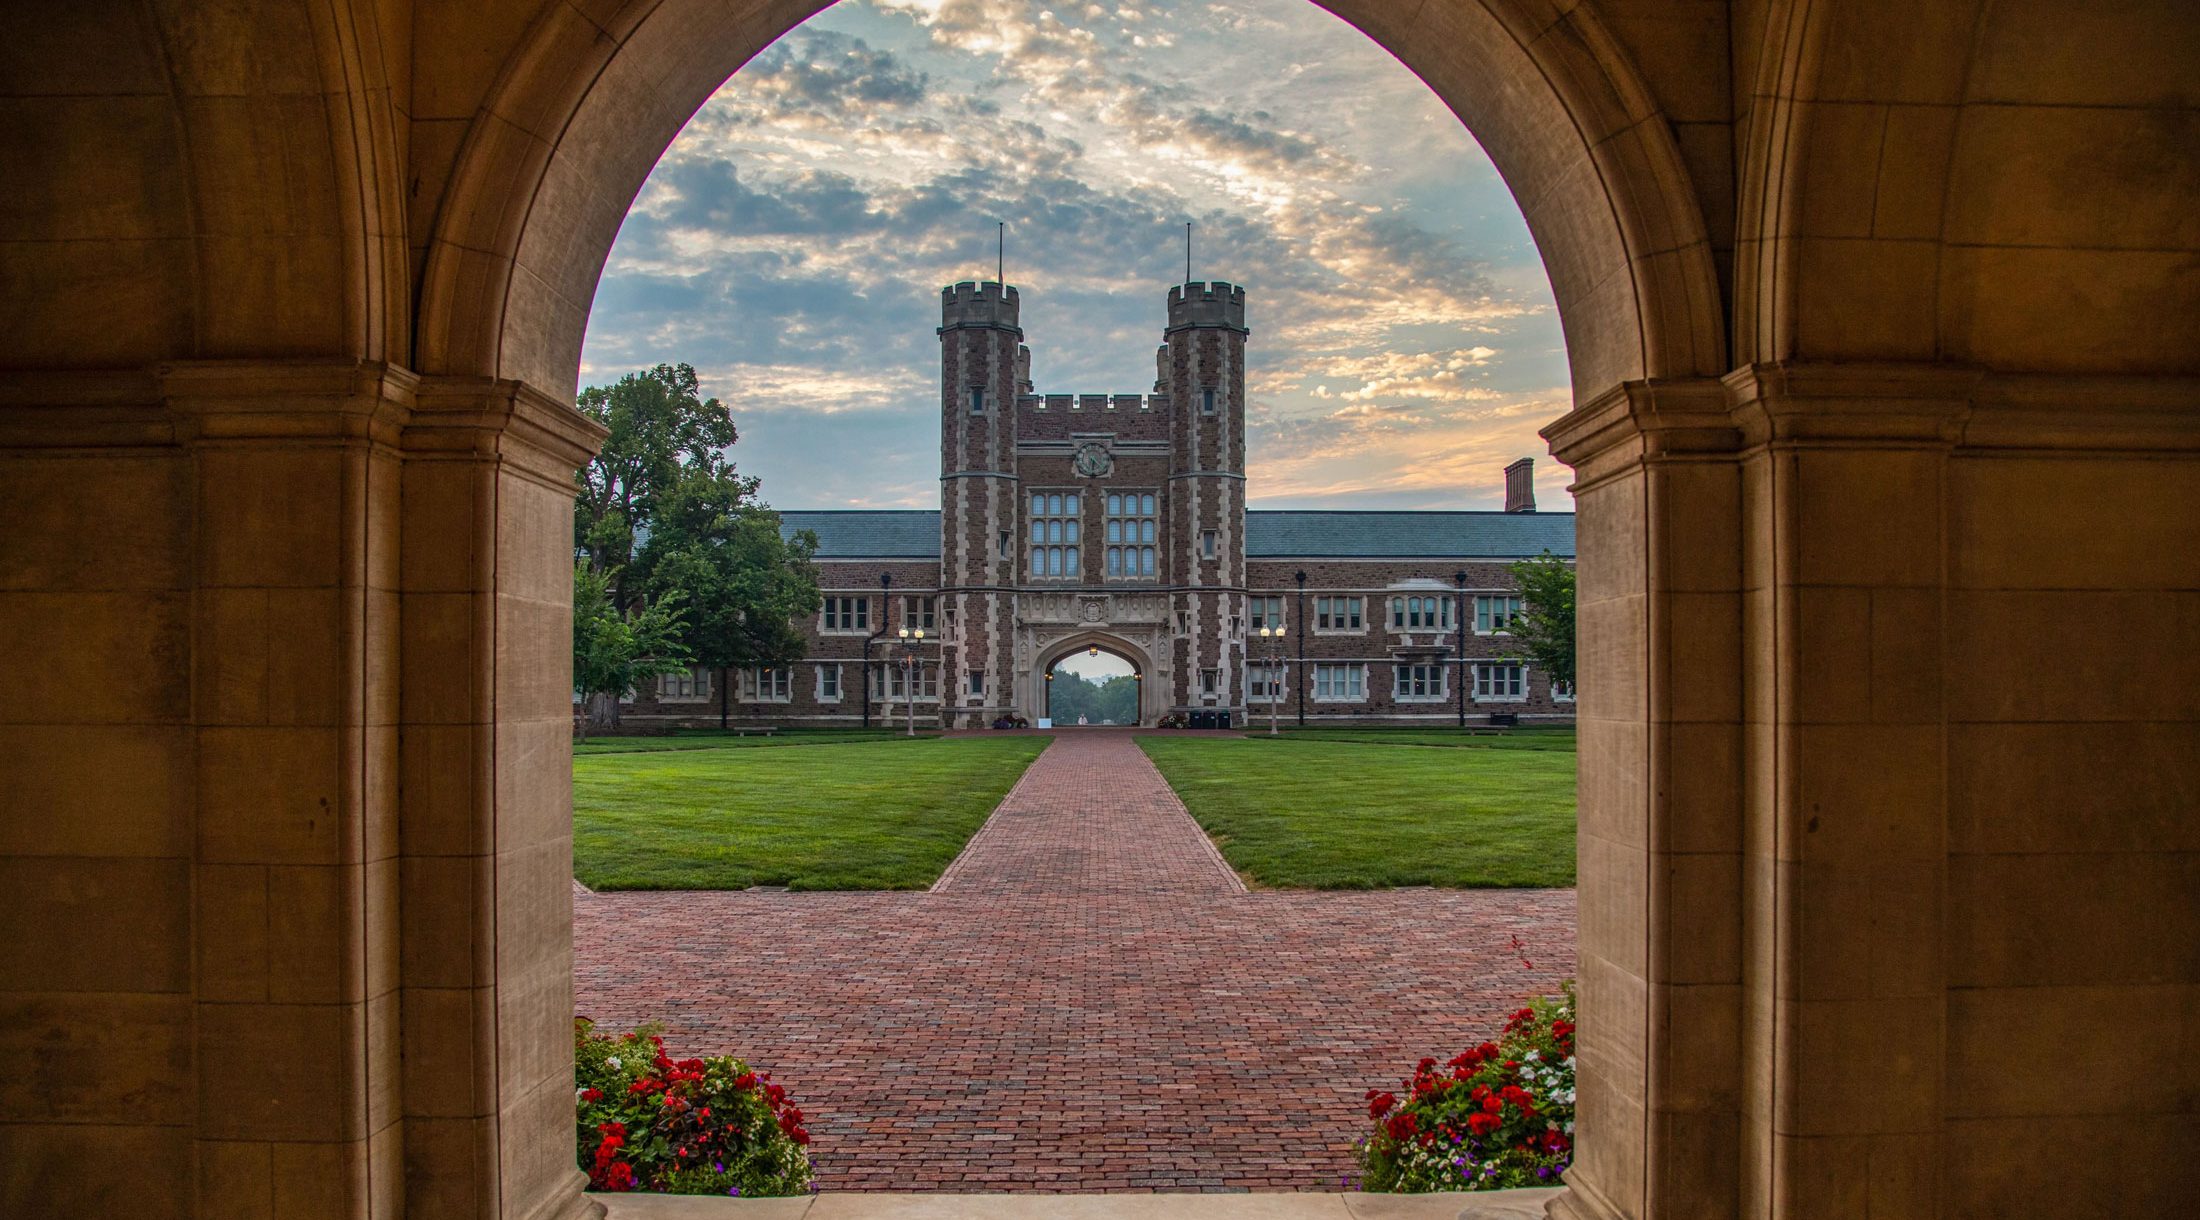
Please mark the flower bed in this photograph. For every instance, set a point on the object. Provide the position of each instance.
(1496, 1115)
(688, 1127)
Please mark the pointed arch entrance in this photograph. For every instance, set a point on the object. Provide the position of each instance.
(1041, 677)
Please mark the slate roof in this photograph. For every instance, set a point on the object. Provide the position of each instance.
(1323, 534)
(1269, 533)
(869, 533)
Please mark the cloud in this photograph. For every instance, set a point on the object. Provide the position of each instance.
(815, 71)
(791, 244)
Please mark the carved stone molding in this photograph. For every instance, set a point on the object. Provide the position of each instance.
(1086, 609)
(484, 418)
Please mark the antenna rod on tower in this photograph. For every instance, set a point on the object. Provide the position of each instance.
(1187, 251)
(1000, 266)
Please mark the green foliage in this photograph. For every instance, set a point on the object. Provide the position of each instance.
(863, 815)
(663, 513)
(661, 429)
(1495, 1116)
(743, 585)
(1107, 700)
(1545, 626)
(614, 649)
(709, 1126)
(1345, 815)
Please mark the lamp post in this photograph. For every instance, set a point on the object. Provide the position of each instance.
(1459, 581)
(1271, 642)
(910, 642)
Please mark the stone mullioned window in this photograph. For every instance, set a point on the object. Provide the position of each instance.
(1056, 525)
(1130, 530)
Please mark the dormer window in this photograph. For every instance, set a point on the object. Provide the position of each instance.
(1206, 402)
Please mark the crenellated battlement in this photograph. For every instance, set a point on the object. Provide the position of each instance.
(970, 304)
(1095, 402)
(1211, 304)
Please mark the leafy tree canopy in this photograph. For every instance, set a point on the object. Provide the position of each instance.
(664, 517)
(1113, 700)
(1545, 626)
(662, 429)
(719, 550)
(615, 650)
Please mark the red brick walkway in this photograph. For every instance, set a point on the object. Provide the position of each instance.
(1087, 1001)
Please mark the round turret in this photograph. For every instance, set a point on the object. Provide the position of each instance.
(989, 305)
(1213, 304)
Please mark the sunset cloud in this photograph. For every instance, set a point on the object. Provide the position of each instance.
(792, 243)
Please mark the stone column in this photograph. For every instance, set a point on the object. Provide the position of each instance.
(1659, 709)
(1845, 564)
(295, 486)
(485, 832)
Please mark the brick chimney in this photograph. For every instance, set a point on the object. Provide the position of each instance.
(1520, 486)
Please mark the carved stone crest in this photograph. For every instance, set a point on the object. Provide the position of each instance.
(1093, 460)
(1091, 609)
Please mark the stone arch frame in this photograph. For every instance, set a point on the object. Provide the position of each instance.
(585, 108)
(1054, 652)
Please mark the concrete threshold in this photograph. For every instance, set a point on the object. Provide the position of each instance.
(1472, 1205)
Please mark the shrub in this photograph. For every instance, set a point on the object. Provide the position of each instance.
(688, 1127)
(1496, 1115)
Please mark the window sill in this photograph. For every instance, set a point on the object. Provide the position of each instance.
(684, 699)
(1499, 699)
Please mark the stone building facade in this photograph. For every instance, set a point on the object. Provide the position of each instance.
(1118, 522)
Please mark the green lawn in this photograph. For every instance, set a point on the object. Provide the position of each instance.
(1362, 813)
(1509, 739)
(714, 739)
(886, 814)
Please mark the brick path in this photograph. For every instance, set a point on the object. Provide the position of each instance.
(1088, 1000)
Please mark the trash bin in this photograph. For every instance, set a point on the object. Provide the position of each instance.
(1222, 719)
(1203, 720)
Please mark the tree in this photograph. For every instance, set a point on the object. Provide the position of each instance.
(615, 649)
(742, 584)
(662, 430)
(1545, 625)
(1111, 700)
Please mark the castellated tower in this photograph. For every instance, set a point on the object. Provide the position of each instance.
(983, 367)
(1203, 374)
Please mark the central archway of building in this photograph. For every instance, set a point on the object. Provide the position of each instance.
(1093, 648)
(1082, 667)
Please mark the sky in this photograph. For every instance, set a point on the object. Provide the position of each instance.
(792, 243)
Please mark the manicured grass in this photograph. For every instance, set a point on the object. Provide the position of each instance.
(860, 815)
(713, 739)
(1355, 814)
(1507, 739)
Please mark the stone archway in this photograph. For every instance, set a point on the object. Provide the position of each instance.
(587, 106)
(1151, 691)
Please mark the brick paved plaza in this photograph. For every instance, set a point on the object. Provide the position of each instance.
(1088, 1000)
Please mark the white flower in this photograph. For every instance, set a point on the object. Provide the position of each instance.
(1535, 1056)
(613, 1063)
